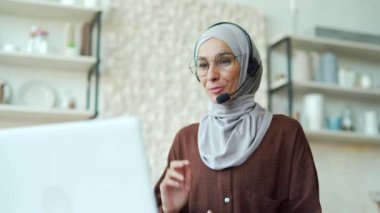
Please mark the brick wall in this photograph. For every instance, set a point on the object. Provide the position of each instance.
(147, 47)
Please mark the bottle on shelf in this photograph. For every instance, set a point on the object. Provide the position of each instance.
(71, 48)
(347, 120)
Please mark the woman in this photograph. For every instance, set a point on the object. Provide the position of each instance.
(239, 157)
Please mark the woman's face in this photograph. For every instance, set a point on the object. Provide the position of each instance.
(217, 81)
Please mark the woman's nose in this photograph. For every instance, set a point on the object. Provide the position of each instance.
(213, 72)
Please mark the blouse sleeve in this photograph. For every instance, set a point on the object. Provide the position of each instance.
(303, 188)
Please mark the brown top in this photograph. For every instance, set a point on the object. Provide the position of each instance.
(280, 176)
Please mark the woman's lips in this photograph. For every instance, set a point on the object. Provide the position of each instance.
(216, 90)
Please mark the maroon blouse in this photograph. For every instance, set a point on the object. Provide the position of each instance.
(280, 176)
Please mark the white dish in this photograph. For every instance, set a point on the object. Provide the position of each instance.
(37, 94)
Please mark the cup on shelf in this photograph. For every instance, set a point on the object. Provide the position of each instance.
(314, 111)
(371, 123)
(314, 58)
(334, 122)
(328, 68)
(301, 65)
(365, 81)
(347, 77)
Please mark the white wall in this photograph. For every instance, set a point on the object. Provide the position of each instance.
(355, 15)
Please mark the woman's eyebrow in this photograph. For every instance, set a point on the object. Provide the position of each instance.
(224, 52)
(202, 57)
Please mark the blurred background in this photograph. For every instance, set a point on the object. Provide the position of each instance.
(72, 60)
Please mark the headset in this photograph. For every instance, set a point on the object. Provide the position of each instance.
(253, 64)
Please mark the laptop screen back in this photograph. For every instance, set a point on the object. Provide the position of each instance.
(92, 166)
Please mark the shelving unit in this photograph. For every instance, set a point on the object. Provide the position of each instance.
(311, 86)
(81, 63)
(46, 9)
(286, 86)
(23, 64)
(319, 44)
(342, 137)
(43, 115)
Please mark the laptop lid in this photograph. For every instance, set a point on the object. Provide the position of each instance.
(83, 167)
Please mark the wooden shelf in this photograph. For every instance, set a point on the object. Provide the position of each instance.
(341, 137)
(48, 9)
(342, 47)
(28, 114)
(329, 89)
(83, 63)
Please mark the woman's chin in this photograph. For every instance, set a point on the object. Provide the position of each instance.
(213, 98)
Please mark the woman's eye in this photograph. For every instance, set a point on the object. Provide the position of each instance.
(202, 65)
(225, 61)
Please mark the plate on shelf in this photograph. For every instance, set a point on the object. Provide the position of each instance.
(37, 94)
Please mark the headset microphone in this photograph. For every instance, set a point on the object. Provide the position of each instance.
(225, 96)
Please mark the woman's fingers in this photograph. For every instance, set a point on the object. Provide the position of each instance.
(173, 183)
(173, 174)
(178, 170)
(178, 164)
(209, 211)
(178, 175)
(170, 183)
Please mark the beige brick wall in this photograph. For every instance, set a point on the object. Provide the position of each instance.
(147, 46)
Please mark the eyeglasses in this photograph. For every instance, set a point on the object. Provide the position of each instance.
(224, 61)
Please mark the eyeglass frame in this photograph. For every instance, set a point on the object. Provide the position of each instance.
(194, 70)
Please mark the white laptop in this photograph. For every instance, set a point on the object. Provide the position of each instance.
(84, 167)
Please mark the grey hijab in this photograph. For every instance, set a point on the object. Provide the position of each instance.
(230, 132)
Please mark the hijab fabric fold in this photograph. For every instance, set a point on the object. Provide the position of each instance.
(230, 132)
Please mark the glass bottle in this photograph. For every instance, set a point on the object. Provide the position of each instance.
(347, 120)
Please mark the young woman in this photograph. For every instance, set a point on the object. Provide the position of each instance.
(239, 157)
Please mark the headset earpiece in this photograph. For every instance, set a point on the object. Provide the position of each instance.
(253, 66)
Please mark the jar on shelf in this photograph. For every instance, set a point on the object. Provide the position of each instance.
(347, 120)
(68, 101)
(314, 111)
(38, 40)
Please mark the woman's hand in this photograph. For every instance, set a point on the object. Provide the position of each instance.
(175, 186)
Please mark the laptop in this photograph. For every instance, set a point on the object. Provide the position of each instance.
(96, 166)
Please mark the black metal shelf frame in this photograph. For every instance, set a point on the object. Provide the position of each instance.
(95, 70)
(289, 49)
